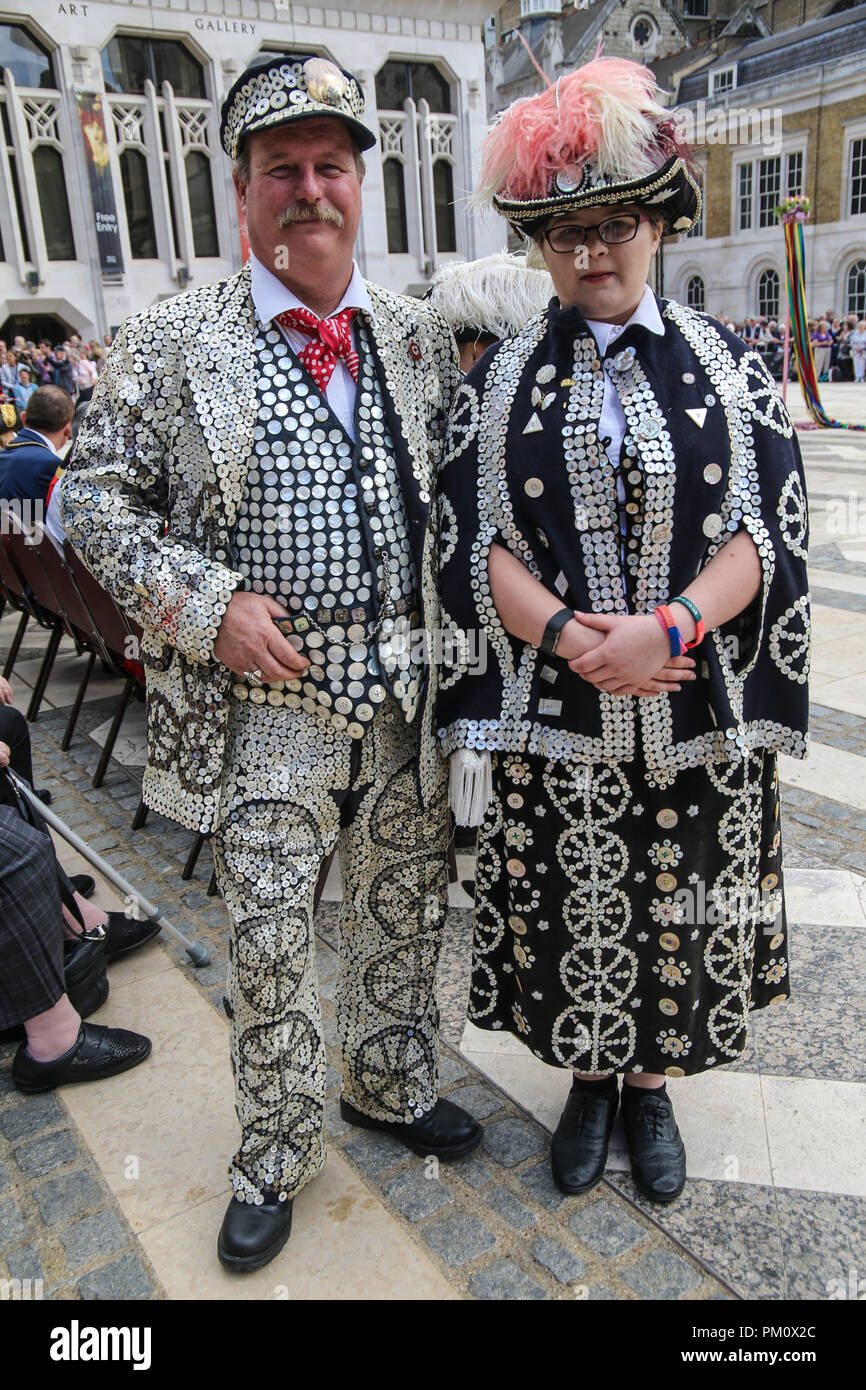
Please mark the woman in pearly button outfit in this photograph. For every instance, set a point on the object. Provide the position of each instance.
(617, 454)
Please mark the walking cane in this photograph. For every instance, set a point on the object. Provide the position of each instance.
(197, 952)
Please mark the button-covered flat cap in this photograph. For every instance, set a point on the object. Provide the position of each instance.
(288, 89)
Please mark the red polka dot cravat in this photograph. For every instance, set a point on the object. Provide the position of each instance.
(331, 338)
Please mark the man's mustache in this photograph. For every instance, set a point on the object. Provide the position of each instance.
(309, 212)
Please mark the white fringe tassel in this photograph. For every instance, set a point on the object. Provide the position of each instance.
(470, 788)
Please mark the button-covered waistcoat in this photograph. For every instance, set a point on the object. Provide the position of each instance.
(322, 528)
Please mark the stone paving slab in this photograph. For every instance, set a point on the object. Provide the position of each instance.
(59, 1223)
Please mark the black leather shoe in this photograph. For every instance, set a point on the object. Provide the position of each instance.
(578, 1152)
(44, 795)
(655, 1147)
(84, 974)
(96, 1052)
(84, 884)
(251, 1236)
(124, 934)
(447, 1130)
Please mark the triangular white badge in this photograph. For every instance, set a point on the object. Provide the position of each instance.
(699, 415)
(535, 424)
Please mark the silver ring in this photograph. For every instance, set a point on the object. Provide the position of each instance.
(254, 677)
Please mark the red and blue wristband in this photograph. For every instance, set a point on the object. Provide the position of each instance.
(666, 621)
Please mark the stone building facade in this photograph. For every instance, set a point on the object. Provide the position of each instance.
(772, 92)
(782, 114)
(114, 192)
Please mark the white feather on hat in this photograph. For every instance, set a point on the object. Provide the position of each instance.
(498, 294)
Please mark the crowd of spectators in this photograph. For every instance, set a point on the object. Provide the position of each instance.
(838, 343)
(73, 365)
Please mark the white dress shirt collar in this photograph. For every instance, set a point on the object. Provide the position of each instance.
(45, 441)
(646, 313)
(271, 297)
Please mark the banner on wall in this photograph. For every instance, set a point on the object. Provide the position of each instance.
(92, 119)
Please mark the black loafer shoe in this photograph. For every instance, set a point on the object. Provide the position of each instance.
(447, 1130)
(84, 884)
(96, 1052)
(124, 934)
(655, 1147)
(578, 1151)
(252, 1235)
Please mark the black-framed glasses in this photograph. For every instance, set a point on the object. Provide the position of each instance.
(613, 231)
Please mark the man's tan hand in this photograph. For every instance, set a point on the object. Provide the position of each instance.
(6, 696)
(5, 754)
(249, 641)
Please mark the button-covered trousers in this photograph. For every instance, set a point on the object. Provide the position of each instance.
(295, 786)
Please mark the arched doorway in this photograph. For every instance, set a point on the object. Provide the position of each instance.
(33, 327)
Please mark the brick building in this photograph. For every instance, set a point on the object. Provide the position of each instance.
(780, 114)
(774, 94)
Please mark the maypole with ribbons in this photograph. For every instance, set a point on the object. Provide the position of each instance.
(793, 212)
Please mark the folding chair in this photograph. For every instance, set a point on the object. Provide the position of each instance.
(119, 635)
(22, 549)
(15, 595)
(49, 579)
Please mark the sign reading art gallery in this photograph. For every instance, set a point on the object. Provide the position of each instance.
(92, 121)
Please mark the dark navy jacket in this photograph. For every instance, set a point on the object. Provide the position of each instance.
(26, 468)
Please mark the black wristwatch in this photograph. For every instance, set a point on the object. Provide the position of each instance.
(554, 627)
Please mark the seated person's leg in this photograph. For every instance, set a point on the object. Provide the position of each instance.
(15, 732)
(60, 1047)
(31, 940)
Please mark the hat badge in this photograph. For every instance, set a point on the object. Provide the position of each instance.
(324, 81)
(568, 180)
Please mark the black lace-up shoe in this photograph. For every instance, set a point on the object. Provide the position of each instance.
(252, 1235)
(448, 1131)
(578, 1152)
(655, 1147)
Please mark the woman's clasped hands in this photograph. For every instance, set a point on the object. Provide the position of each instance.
(624, 654)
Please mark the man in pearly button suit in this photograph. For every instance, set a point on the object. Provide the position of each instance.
(253, 485)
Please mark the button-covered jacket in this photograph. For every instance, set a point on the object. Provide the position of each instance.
(709, 449)
(151, 497)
